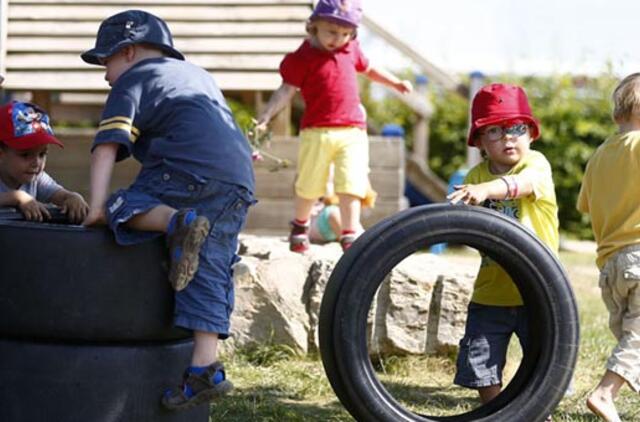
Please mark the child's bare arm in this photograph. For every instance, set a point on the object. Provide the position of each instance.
(27, 204)
(102, 161)
(72, 204)
(279, 99)
(517, 186)
(387, 78)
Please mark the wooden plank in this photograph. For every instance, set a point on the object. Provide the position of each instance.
(59, 61)
(383, 152)
(388, 183)
(167, 2)
(178, 29)
(93, 80)
(80, 12)
(185, 45)
(3, 34)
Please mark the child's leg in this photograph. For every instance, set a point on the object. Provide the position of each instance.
(350, 213)
(187, 232)
(155, 220)
(206, 306)
(351, 181)
(136, 215)
(205, 348)
(601, 400)
(314, 159)
(483, 349)
(620, 289)
(303, 208)
(489, 393)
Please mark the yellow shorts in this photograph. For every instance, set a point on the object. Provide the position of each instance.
(346, 147)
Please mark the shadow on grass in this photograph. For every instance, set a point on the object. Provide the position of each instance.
(272, 404)
(432, 401)
(268, 404)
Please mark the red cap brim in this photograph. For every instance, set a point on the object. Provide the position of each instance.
(32, 140)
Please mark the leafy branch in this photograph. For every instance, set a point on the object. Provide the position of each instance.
(259, 140)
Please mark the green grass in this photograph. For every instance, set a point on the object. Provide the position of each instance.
(274, 384)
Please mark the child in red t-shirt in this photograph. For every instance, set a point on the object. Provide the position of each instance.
(333, 127)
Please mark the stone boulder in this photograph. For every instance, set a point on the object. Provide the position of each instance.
(419, 308)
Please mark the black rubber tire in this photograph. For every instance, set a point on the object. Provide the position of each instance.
(65, 282)
(545, 371)
(97, 383)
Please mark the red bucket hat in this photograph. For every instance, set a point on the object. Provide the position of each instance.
(498, 103)
(25, 126)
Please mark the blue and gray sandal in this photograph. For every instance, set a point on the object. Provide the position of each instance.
(198, 389)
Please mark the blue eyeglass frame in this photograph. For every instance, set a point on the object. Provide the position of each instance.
(516, 130)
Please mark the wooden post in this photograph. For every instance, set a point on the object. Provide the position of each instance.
(475, 83)
(42, 98)
(421, 128)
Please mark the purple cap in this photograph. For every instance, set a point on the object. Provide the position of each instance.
(343, 12)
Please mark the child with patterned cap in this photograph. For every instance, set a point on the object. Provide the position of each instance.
(333, 128)
(25, 136)
(609, 194)
(196, 182)
(516, 181)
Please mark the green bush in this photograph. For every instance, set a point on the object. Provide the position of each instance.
(575, 116)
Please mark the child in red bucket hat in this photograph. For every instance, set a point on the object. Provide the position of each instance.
(25, 136)
(516, 181)
(333, 128)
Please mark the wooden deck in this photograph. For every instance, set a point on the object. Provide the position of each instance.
(240, 42)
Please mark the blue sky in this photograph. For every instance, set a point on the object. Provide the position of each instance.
(524, 37)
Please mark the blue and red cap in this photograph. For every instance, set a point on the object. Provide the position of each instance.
(25, 126)
(342, 12)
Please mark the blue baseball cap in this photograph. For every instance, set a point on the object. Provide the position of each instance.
(128, 28)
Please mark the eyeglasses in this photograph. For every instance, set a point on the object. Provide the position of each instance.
(495, 133)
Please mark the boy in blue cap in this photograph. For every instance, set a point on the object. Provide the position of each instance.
(195, 185)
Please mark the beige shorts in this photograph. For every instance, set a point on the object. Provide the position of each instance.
(620, 288)
(347, 148)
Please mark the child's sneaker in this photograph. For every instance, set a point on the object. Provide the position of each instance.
(346, 240)
(299, 237)
(185, 241)
(198, 388)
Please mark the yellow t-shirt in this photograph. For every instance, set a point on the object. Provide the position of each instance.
(610, 193)
(538, 211)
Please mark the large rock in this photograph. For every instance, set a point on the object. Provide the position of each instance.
(419, 308)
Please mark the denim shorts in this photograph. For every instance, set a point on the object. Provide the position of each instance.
(207, 302)
(483, 349)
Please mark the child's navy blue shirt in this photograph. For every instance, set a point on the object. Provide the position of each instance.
(168, 111)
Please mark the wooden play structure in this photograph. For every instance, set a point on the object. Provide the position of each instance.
(240, 42)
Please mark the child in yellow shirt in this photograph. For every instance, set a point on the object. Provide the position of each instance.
(609, 194)
(515, 181)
